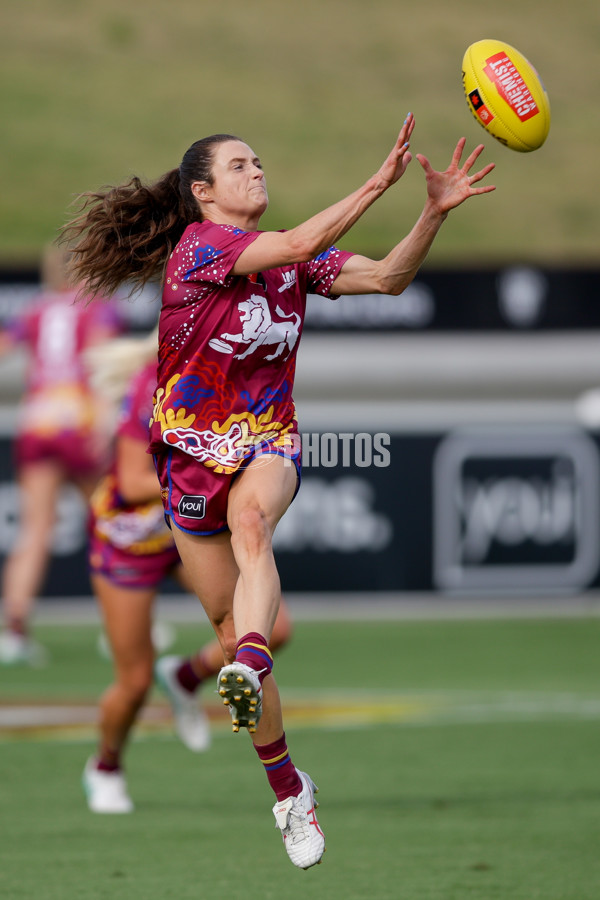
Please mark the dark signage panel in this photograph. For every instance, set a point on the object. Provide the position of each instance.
(471, 511)
(512, 298)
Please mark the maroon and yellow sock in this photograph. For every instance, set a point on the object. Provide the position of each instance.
(281, 772)
(108, 759)
(252, 651)
(193, 671)
(17, 625)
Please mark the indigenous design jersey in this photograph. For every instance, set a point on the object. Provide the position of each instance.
(227, 348)
(56, 330)
(138, 528)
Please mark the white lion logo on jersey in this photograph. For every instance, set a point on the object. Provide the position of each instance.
(259, 329)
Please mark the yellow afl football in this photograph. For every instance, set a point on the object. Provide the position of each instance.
(506, 95)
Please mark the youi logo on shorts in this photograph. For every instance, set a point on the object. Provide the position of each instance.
(192, 507)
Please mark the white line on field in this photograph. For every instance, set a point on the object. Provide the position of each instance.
(328, 710)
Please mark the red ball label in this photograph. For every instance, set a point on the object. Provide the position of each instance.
(509, 83)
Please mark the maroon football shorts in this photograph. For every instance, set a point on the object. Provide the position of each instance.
(130, 570)
(195, 496)
(73, 450)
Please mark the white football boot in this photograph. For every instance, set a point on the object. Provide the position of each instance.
(16, 649)
(191, 722)
(106, 792)
(296, 819)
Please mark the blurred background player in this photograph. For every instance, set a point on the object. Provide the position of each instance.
(131, 552)
(60, 437)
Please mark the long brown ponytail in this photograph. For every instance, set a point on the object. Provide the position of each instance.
(127, 233)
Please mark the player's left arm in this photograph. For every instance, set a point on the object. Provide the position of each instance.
(445, 191)
(136, 474)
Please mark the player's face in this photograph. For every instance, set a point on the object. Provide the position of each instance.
(238, 192)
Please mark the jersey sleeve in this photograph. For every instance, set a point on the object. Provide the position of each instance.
(207, 254)
(324, 269)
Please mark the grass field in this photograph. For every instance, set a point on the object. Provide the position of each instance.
(96, 91)
(467, 771)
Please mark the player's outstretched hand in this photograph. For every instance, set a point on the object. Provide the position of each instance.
(449, 189)
(395, 165)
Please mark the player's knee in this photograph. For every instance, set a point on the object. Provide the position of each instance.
(228, 642)
(250, 531)
(138, 683)
(229, 650)
(228, 645)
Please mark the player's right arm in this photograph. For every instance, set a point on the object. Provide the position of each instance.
(307, 240)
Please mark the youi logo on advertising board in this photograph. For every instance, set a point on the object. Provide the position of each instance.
(516, 510)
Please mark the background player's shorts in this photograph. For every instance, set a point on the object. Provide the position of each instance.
(130, 570)
(70, 449)
(195, 496)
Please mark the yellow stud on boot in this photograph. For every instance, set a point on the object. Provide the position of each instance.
(240, 689)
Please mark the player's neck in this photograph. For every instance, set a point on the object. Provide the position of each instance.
(244, 222)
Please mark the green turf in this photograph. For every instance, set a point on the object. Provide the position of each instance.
(94, 92)
(477, 799)
(531, 654)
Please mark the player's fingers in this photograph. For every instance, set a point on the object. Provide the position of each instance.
(405, 160)
(426, 165)
(482, 173)
(400, 156)
(458, 151)
(407, 129)
(473, 156)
